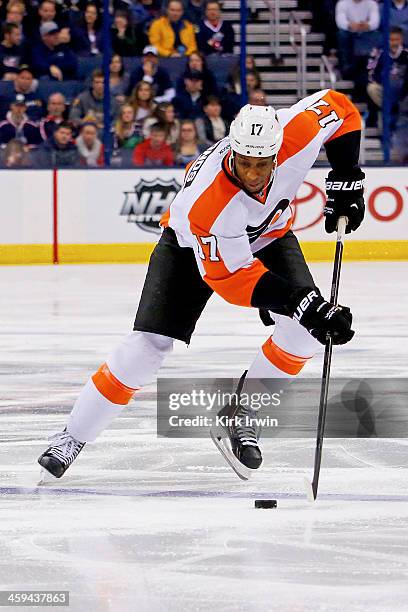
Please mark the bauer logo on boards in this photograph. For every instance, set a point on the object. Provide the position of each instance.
(145, 205)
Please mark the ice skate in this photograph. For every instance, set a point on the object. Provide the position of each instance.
(235, 438)
(64, 449)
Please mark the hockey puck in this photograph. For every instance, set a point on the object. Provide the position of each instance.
(266, 503)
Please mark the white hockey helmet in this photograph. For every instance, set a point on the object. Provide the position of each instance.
(256, 132)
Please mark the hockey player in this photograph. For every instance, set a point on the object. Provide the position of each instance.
(228, 231)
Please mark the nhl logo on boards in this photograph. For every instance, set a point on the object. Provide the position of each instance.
(145, 205)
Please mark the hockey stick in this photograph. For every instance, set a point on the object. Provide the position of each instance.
(313, 486)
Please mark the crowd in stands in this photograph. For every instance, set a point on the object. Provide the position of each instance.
(353, 43)
(52, 84)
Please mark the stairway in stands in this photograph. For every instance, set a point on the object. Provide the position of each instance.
(280, 83)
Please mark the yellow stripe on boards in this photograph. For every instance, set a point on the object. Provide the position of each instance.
(137, 252)
(357, 250)
(13, 254)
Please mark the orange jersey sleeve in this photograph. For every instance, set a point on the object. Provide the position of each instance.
(323, 116)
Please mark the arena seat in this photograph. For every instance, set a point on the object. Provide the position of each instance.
(70, 89)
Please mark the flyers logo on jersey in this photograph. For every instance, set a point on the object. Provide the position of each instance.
(254, 232)
(145, 205)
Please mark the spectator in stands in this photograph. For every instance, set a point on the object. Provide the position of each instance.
(187, 147)
(197, 62)
(128, 40)
(194, 11)
(172, 35)
(119, 79)
(211, 127)
(235, 77)
(136, 12)
(50, 59)
(90, 148)
(399, 17)
(15, 12)
(15, 155)
(398, 77)
(11, 51)
(56, 108)
(90, 102)
(18, 126)
(87, 33)
(153, 7)
(150, 72)
(234, 80)
(215, 35)
(165, 115)
(231, 98)
(257, 97)
(253, 81)
(154, 151)
(64, 36)
(324, 21)
(24, 88)
(126, 132)
(188, 104)
(46, 13)
(142, 102)
(357, 21)
(58, 151)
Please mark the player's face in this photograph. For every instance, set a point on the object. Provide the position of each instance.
(254, 172)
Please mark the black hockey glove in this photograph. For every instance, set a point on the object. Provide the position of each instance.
(321, 318)
(344, 198)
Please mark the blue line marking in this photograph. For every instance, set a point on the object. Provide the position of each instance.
(185, 493)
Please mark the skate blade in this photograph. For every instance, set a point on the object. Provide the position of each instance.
(46, 478)
(243, 472)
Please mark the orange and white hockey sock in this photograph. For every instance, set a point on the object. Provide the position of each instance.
(285, 353)
(274, 362)
(133, 364)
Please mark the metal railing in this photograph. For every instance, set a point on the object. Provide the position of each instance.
(326, 69)
(274, 30)
(296, 26)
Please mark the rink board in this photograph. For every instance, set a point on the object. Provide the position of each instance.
(100, 216)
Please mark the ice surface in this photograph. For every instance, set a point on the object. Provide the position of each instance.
(146, 524)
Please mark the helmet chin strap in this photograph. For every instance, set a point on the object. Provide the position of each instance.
(231, 165)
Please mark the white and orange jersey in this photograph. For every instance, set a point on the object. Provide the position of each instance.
(225, 225)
